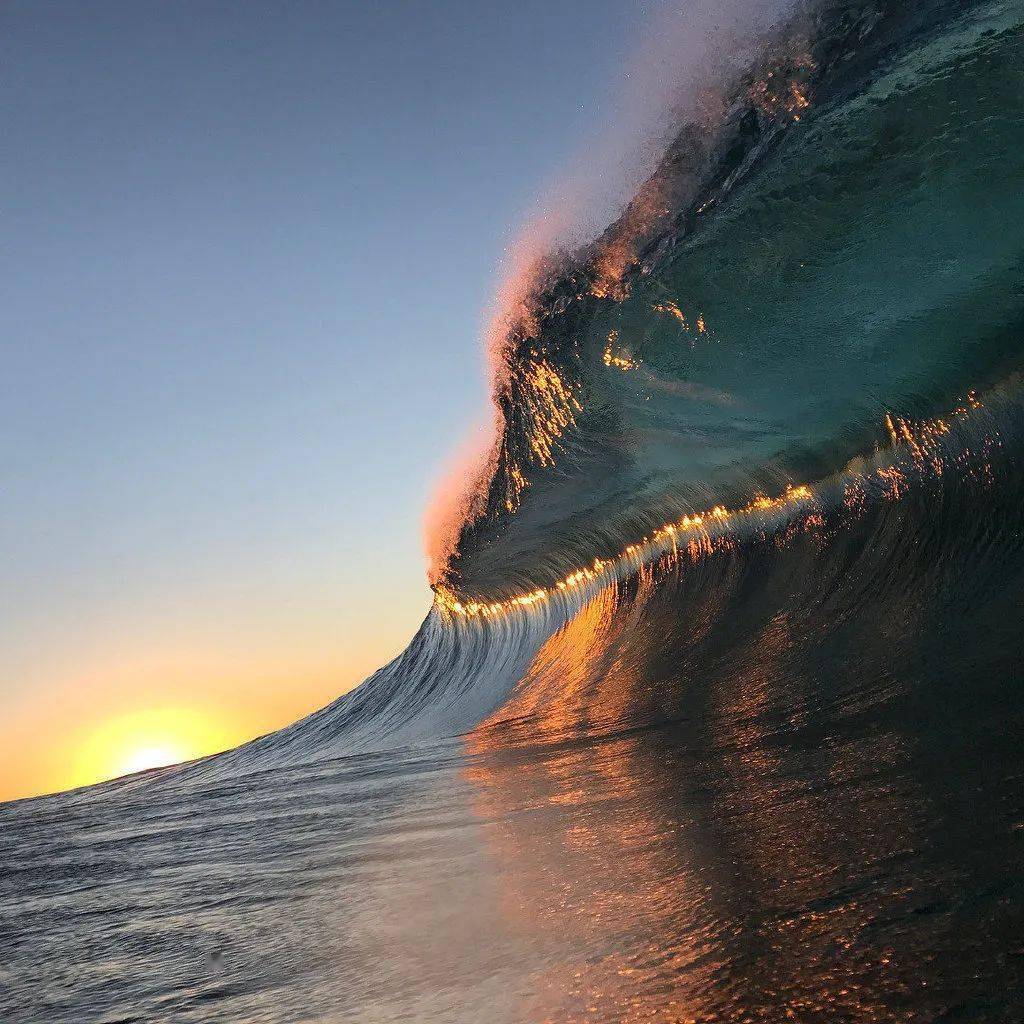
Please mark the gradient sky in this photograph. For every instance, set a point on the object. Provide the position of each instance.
(246, 252)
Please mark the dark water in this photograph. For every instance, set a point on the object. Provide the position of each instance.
(771, 773)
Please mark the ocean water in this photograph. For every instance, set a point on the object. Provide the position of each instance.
(717, 716)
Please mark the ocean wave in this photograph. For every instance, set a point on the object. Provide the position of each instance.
(842, 247)
(817, 347)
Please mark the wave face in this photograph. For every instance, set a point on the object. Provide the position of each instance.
(717, 714)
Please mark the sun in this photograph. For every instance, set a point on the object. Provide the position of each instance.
(153, 738)
(156, 756)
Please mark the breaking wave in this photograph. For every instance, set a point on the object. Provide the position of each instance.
(802, 335)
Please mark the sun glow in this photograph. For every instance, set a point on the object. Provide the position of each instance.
(156, 756)
(142, 740)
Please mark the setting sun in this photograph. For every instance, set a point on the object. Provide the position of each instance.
(152, 757)
(147, 739)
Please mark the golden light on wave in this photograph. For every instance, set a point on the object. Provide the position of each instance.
(702, 533)
(140, 740)
(550, 403)
(672, 309)
(690, 534)
(618, 360)
(783, 92)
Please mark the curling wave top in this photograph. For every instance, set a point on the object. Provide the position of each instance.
(838, 249)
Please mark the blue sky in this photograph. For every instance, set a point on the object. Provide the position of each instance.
(247, 250)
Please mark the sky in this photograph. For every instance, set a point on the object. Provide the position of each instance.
(246, 257)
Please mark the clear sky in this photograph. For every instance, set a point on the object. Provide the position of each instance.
(246, 251)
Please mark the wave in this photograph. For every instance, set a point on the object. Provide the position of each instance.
(716, 712)
(841, 247)
(786, 372)
(927, 525)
